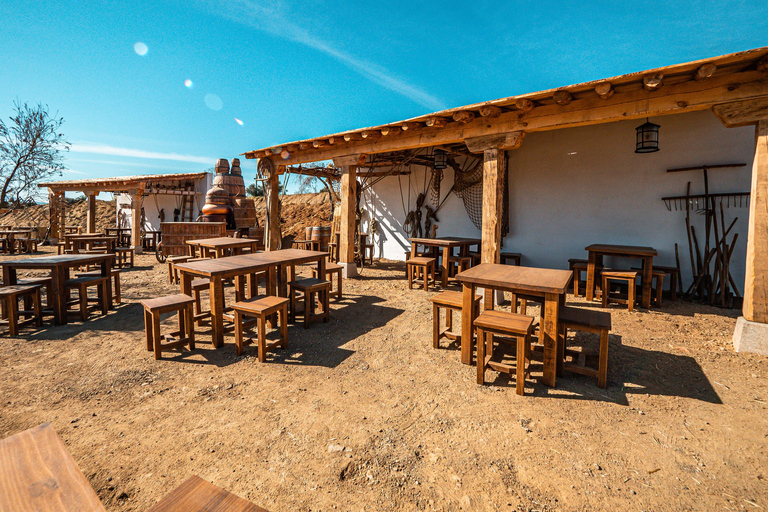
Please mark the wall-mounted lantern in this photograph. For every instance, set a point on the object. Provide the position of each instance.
(647, 137)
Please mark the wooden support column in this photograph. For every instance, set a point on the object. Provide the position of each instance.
(136, 220)
(90, 226)
(756, 280)
(272, 234)
(62, 215)
(348, 167)
(53, 215)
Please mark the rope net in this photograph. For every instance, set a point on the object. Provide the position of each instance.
(468, 185)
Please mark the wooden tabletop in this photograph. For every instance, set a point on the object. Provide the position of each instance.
(538, 280)
(52, 261)
(38, 473)
(448, 241)
(628, 250)
(222, 241)
(249, 262)
(197, 495)
(15, 231)
(81, 235)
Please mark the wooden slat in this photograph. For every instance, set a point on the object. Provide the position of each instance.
(197, 495)
(755, 307)
(528, 279)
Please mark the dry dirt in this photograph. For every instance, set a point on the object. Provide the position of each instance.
(362, 414)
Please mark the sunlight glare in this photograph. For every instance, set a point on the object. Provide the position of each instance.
(213, 102)
(238, 121)
(188, 83)
(140, 48)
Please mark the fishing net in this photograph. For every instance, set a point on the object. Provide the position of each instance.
(468, 185)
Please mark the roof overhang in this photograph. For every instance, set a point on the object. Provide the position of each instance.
(121, 184)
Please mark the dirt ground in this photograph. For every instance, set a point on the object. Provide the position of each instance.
(362, 413)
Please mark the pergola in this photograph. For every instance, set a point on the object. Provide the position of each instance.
(734, 87)
(135, 186)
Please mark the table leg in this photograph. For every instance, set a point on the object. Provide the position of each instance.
(647, 279)
(58, 286)
(591, 276)
(446, 254)
(321, 268)
(282, 280)
(217, 310)
(271, 286)
(548, 333)
(467, 318)
(106, 271)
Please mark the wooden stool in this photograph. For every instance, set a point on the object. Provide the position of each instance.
(310, 287)
(510, 256)
(490, 323)
(578, 266)
(475, 255)
(81, 284)
(260, 308)
(199, 286)
(627, 276)
(672, 273)
(46, 283)
(421, 266)
(450, 301)
(585, 320)
(330, 270)
(27, 245)
(115, 277)
(458, 264)
(368, 252)
(153, 308)
(173, 274)
(124, 257)
(9, 297)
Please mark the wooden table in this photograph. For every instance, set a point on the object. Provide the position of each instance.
(222, 245)
(197, 495)
(447, 244)
(38, 473)
(121, 234)
(80, 243)
(10, 235)
(646, 254)
(59, 266)
(310, 245)
(154, 234)
(217, 270)
(540, 282)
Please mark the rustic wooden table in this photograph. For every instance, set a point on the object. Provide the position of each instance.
(217, 270)
(197, 495)
(646, 254)
(223, 245)
(447, 244)
(83, 243)
(38, 473)
(59, 266)
(540, 282)
(10, 236)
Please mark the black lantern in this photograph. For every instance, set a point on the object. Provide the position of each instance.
(647, 137)
(440, 159)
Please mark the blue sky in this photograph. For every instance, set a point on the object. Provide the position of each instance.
(291, 70)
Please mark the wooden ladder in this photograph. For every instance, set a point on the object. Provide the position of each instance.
(188, 204)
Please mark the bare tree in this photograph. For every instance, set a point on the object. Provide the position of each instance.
(30, 151)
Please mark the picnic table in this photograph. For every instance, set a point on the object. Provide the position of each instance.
(646, 254)
(549, 284)
(10, 236)
(221, 246)
(38, 473)
(447, 244)
(59, 267)
(217, 270)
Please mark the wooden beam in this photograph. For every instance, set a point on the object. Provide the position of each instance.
(62, 215)
(53, 215)
(91, 214)
(604, 90)
(494, 166)
(411, 126)
(490, 111)
(305, 145)
(742, 113)
(348, 219)
(463, 116)
(351, 137)
(370, 134)
(590, 110)
(525, 104)
(436, 121)
(763, 65)
(511, 140)
(755, 307)
(391, 130)
(562, 97)
(136, 220)
(705, 71)
(653, 82)
(350, 160)
(271, 172)
(319, 143)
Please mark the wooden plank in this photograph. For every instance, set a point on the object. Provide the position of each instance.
(90, 224)
(756, 280)
(516, 279)
(742, 113)
(197, 495)
(348, 206)
(136, 221)
(511, 140)
(494, 165)
(272, 189)
(38, 473)
(53, 214)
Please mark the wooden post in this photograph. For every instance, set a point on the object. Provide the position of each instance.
(272, 235)
(494, 167)
(53, 215)
(136, 220)
(91, 215)
(756, 279)
(62, 215)
(348, 220)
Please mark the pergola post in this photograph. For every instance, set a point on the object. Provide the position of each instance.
(348, 167)
(91, 215)
(53, 215)
(62, 215)
(272, 192)
(136, 196)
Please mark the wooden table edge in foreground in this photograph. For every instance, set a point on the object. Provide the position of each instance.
(198, 495)
(554, 299)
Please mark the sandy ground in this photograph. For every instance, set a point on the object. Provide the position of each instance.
(362, 414)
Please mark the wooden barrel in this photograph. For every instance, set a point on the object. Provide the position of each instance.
(175, 235)
(308, 233)
(323, 235)
(232, 183)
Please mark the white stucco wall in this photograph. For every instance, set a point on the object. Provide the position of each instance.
(575, 187)
(155, 202)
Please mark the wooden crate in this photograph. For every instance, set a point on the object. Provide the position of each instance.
(176, 234)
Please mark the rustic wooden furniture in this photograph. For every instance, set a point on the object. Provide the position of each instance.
(667, 271)
(491, 323)
(59, 267)
(173, 274)
(331, 269)
(596, 253)
(153, 308)
(175, 235)
(514, 257)
(124, 257)
(421, 270)
(447, 244)
(151, 239)
(27, 244)
(37, 473)
(9, 297)
(45, 283)
(81, 285)
(450, 301)
(10, 236)
(116, 298)
(550, 284)
(309, 287)
(260, 308)
(71, 230)
(224, 246)
(123, 235)
(586, 320)
(307, 245)
(197, 495)
(93, 243)
(458, 264)
(658, 286)
(198, 286)
(626, 276)
(217, 270)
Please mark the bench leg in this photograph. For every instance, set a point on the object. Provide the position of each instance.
(238, 332)
(480, 356)
(118, 299)
(449, 319)
(148, 330)
(435, 325)
(36, 300)
(602, 376)
(282, 318)
(83, 303)
(520, 365)
(606, 290)
(104, 296)
(189, 316)
(631, 290)
(309, 304)
(156, 335)
(12, 308)
(262, 338)
(326, 294)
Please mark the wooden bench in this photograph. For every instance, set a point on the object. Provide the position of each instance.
(260, 308)
(173, 274)
(81, 284)
(115, 278)
(578, 266)
(153, 308)
(197, 495)
(585, 320)
(421, 266)
(457, 264)
(450, 301)
(310, 287)
(627, 276)
(658, 289)
(46, 283)
(510, 256)
(491, 323)
(124, 257)
(9, 297)
(331, 269)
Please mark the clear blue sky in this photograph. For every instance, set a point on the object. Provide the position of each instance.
(290, 70)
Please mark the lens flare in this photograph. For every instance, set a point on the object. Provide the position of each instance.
(238, 121)
(213, 102)
(140, 48)
(188, 83)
